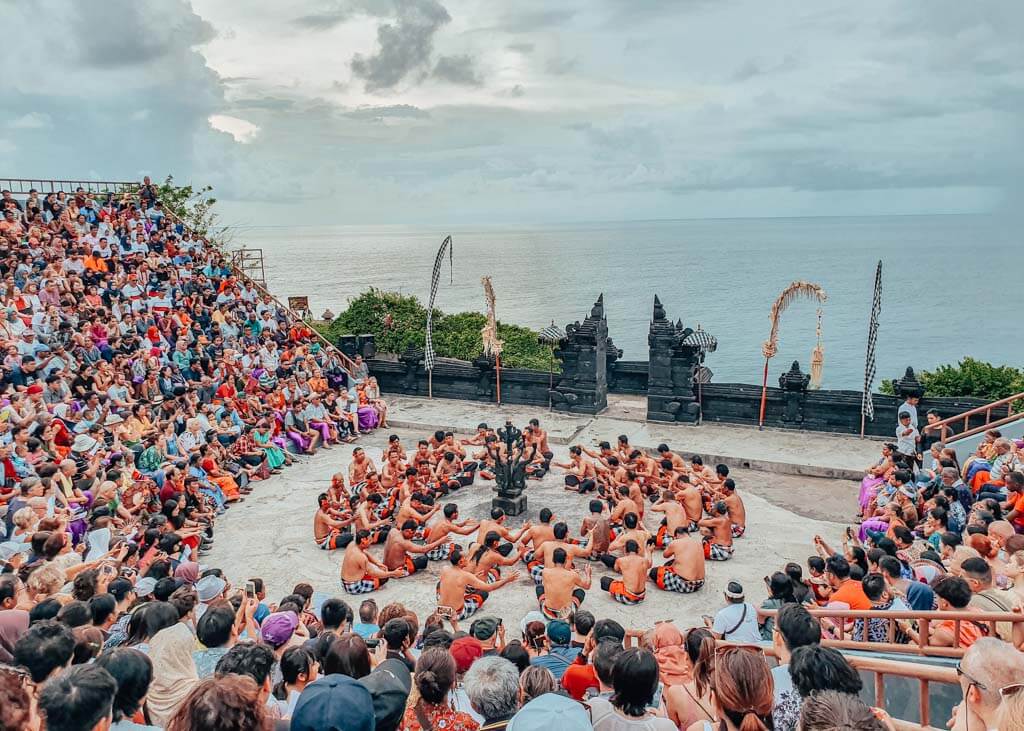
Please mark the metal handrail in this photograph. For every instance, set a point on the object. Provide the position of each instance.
(945, 425)
(924, 619)
(53, 185)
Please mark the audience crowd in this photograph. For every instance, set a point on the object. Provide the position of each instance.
(147, 388)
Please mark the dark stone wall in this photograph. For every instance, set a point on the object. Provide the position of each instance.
(828, 411)
(463, 380)
(628, 376)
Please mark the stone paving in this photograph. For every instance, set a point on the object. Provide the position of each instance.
(270, 535)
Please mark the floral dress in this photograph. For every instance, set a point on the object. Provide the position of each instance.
(441, 717)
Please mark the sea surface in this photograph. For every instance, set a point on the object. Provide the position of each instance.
(950, 283)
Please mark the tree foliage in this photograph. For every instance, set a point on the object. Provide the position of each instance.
(194, 206)
(398, 321)
(969, 377)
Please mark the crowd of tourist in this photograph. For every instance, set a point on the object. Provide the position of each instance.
(147, 388)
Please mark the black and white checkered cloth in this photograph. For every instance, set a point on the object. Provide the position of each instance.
(867, 403)
(428, 351)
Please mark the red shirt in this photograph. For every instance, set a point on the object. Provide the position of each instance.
(578, 677)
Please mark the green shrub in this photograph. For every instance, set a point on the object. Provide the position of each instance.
(969, 377)
(455, 336)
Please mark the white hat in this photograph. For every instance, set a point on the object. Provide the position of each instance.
(84, 443)
(210, 587)
(548, 711)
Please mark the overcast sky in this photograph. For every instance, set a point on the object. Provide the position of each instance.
(477, 111)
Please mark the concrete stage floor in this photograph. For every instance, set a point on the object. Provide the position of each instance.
(270, 535)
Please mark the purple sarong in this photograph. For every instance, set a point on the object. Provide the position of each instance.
(367, 418)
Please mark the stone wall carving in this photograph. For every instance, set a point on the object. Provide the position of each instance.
(582, 386)
(670, 385)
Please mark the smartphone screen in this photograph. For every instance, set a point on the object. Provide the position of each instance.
(250, 589)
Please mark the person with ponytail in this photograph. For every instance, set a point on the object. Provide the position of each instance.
(635, 683)
(435, 678)
(690, 701)
(742, 689)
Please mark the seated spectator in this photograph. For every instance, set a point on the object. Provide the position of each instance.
(815, 668)
(389, 684)
(953, 595)
(742, 689)
(230, 703)
(737, 621)
(367, 627)
(829, 710)
(17, 707)
(79, 699)
(987, 667)
(334, 702)
(580, 679)
(133, 672)
(690, 702)
(346, 655)
(257, 662)
(534, 682)
(174, 671)
(551, 711)
(795, 627)
(44, 650)
(635, 682)
(435, 678)
(558, 654)
(492, 685)
(878, 630)
(985, 597)
(845, 590)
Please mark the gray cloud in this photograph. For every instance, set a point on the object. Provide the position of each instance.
(560, 65)
(523, 48)
(406, 111)
(405, 45)
(525, 21)
(323, 21)
(133, 34)
(459, 70)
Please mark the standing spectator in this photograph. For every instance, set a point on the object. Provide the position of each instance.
(79, 699)
(492, 685)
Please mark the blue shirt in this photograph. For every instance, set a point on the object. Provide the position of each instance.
(557, 660)
(920, 597)
(365, 630)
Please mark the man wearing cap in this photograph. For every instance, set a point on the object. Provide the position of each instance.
(560, 652)
(551, 711)
(335, 702)
(489, 631)
(389, 684)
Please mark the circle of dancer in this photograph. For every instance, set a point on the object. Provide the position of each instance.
(407, 503)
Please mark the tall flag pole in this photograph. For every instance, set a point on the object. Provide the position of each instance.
(867, 404)
(428, 352)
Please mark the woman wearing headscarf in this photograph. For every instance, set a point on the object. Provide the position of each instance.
(174, 671)
(667, 642)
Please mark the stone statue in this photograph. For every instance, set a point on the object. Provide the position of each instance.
(510, 469)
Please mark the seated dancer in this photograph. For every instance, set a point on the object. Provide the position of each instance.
(700, 474)
(358, 469)
(582, 477)
(645, 467)
(451, 473)
(394, 445)
(678, 463)
(392, 471)
(534, 436)
(560, 532)
(623, 447)
(692, 502)
(675, 517)
(633, 530)
(329, 525)
(496, 524)
(562, 589)
(482, 430)
(684, 571)
(418, 508)
(734, 504)
(486, 455)
(486, 561)
(399, 545)
(366, 519)
(422, 453)
(460, 593)
(338, 494)
(623, 506)
(451, 444)
(439, 531)
(538, 535)
(717, 533)
(632, 587)
(361, 573)
(596, 526)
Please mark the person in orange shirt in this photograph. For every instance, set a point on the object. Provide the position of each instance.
(845, 589)
(954, 595)
(94, 262)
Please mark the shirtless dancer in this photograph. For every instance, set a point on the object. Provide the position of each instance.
(582, 475)
(417, 508)
(684, 571)
(631, 589)
(718, 533)
(496, 523)
(633, 530)
(365, 520)
(737, 511)
(358, 469)
(675, 517)
(538, 535)
(439, 531)
(560, 540)
(541, 463)
(624, 505)
(328, 525)
(596, 525)
(486, 561)
(399, 545)
(562, 590)
(460, 593)
(690, 497)
(361, 573)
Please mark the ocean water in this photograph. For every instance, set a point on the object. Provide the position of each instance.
(945, 289)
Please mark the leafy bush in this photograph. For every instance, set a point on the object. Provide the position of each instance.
(969, 377)
(398, 321)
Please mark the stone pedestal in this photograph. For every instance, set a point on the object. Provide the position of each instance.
(511, 505)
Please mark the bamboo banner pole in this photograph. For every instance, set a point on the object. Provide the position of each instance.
(497, 374)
